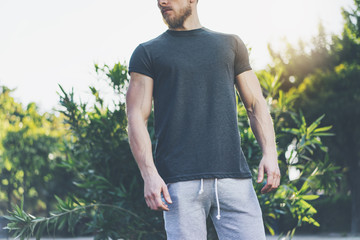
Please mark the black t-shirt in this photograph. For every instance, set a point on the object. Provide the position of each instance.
(195, 110)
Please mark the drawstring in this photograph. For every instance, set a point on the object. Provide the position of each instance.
(217, 200)
(201, 186)
(216, 195)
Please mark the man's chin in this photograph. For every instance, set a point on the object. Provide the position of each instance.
(172, 26)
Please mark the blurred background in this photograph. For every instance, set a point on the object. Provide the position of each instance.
(65, 163)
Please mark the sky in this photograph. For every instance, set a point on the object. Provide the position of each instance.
(44, 43)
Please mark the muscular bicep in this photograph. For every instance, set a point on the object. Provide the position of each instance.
(249, 89)
(139, 95)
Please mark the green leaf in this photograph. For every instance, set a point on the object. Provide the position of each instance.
(304, 187)
(323, 129)
(295, 119)
(315, 123)
(291, 130)
(310, 197)
(315, 223)
(302, 141)
(324, 134)
(271, 230)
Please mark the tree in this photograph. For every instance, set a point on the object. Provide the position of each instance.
(338, 97)
(30, 153)
(296, 63)
(8, 108)
(330, 84)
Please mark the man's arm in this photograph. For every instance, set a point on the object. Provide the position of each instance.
(138, 105)
(261, 123)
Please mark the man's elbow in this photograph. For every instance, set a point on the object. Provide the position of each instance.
(250, 111)
(136, 116)
(255, 106)
(250, 107)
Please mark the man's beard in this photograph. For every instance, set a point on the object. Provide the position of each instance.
(178, 21)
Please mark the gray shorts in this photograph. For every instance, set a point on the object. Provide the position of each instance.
(231, 203)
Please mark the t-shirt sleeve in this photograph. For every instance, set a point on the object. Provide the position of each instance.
(140, 62)
(242, 63)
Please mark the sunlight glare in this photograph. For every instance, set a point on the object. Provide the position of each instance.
(293, 19)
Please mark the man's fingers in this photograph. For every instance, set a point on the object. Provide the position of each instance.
(150, 202)
(273, 182)
(278, 178)
(260, 173)
(269, 183)
(154, 188)
(155, 203)
(160, 205)
(276, 181)
(166, 194)
(266, 188)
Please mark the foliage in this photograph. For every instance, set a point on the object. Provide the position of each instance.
(330, 84)
(30, 149)
(70, 213)
(105, 170)
(108, 201)
(340, 91)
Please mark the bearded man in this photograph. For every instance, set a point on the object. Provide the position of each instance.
(198, 167)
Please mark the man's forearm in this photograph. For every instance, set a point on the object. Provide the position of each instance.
(262, 127)
(140, 145)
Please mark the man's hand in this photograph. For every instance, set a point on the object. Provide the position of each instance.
(154, 185)
(269, 165)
